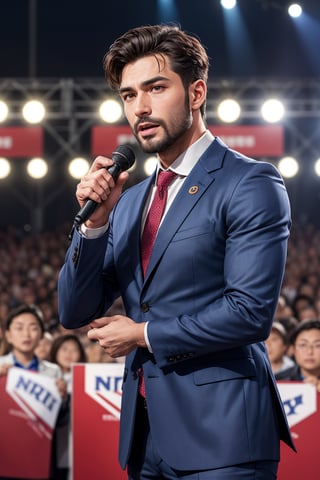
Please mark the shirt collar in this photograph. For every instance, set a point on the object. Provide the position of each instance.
(183, 164)
(33, 365)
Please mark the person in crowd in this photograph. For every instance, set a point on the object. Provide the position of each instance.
(305, 340)
(66, 351)
(23, 330)
(44, 346)
(308, 312)
(277, 347)
(200, 298)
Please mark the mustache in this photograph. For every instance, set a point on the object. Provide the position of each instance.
(156, 121)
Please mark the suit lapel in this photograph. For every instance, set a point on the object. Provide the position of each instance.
(197, 182)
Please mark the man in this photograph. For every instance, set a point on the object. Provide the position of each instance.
(305, 340)
(206, 406)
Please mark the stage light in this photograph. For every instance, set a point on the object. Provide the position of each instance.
(5, 168)
(33, 111)
(37, 168)
(272, 110)
(149, 165)
(317, 167)
(295, 10)
(110, 111)
(4, 111)
(228, 4)
(78, 167)
(229, 110)
(288, 167)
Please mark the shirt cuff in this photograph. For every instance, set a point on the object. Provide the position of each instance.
(146, 338)
(93, 233)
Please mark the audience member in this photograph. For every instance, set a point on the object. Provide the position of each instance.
(305, 340)
(44, 346)
(66, 350)
(277, 345)
(23, 330)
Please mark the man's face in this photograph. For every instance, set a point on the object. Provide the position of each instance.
(156, 105)
(24, 333)
(307, 350)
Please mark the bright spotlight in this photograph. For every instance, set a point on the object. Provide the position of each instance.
(4, 111)
(228, 4)
(150, 165)
(33, 111)
(317, 167)
(295, 10)
(78, 167)
(272, 110)
(37, 168)
(110, 111)
(288, 167)
(229, 110)
(5, 168)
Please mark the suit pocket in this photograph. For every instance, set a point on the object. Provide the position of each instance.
(226, 370)
(194, 231)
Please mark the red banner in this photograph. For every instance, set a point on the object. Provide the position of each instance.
(29, 404)
(21, 142)
(252, 140)
(302, 406)
(96, 390)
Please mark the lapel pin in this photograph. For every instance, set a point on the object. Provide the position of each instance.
(194, 189)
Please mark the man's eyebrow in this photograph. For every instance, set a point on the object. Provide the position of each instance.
(150, 81)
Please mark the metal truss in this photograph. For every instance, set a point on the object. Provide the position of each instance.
(72, 109)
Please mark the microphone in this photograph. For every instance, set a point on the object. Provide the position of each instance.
(123, 158)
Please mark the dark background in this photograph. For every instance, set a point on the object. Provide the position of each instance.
(73, 35)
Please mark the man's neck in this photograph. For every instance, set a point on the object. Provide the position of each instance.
(24, 358)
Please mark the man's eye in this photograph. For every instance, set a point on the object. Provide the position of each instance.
(157, 88)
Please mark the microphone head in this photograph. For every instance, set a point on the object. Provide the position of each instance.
(124, 157)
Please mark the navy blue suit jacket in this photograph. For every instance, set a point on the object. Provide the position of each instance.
(209, 296)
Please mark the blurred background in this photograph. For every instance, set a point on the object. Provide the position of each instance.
(264, 94)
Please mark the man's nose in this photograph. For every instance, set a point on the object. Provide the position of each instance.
(143, 107)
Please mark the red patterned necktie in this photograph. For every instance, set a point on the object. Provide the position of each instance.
(154, 217)
(150, 232)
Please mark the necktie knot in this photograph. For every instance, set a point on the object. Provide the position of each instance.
(165, 178)
(163, 181)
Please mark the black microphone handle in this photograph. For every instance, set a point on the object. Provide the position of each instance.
(90, 205)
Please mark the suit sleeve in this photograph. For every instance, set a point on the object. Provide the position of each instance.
(82, 285)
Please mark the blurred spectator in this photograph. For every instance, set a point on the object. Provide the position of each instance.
(308, 312)
(277, 345)
(44, 346)
(66, 350)
(306, 348)
(23, 330)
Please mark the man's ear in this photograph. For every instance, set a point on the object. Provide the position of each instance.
(197, 94)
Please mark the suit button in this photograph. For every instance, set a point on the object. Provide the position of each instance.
(144, 307)
(134, 375)
(171, 359)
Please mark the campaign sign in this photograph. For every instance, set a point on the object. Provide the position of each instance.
(301, 404)
(29, 405)
(96, 403)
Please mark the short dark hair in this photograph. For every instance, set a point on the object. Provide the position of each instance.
(302, 327)
(188, 57)
(25, 308)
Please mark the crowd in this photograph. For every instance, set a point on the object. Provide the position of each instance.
(29, 268)
(30, 264)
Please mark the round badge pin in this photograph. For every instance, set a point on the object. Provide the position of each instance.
(194, 189)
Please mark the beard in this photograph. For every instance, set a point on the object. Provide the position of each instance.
(173, 130)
